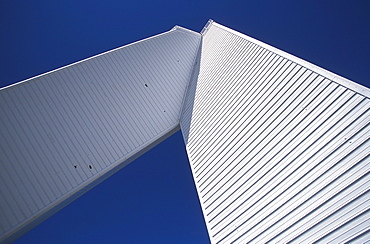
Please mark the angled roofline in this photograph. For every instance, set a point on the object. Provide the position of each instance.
(314, 68)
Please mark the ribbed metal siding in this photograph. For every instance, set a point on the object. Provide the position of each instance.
(62, 131)
(279, 148)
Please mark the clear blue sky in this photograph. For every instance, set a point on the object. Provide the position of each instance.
(153, 200)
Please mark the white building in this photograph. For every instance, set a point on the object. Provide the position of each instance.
(279, 148)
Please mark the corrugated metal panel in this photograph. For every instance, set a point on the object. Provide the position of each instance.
(65, 131)
(279, 148)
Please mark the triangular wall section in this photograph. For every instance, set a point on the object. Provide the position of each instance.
(65, 131)
(279, 148)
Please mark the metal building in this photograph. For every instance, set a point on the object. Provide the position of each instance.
(279, 148)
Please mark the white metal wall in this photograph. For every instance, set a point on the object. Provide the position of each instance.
(279, 148)
(65, 131)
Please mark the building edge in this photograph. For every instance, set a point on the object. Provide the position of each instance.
(41, 216)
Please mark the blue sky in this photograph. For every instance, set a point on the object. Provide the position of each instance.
(153, 200)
